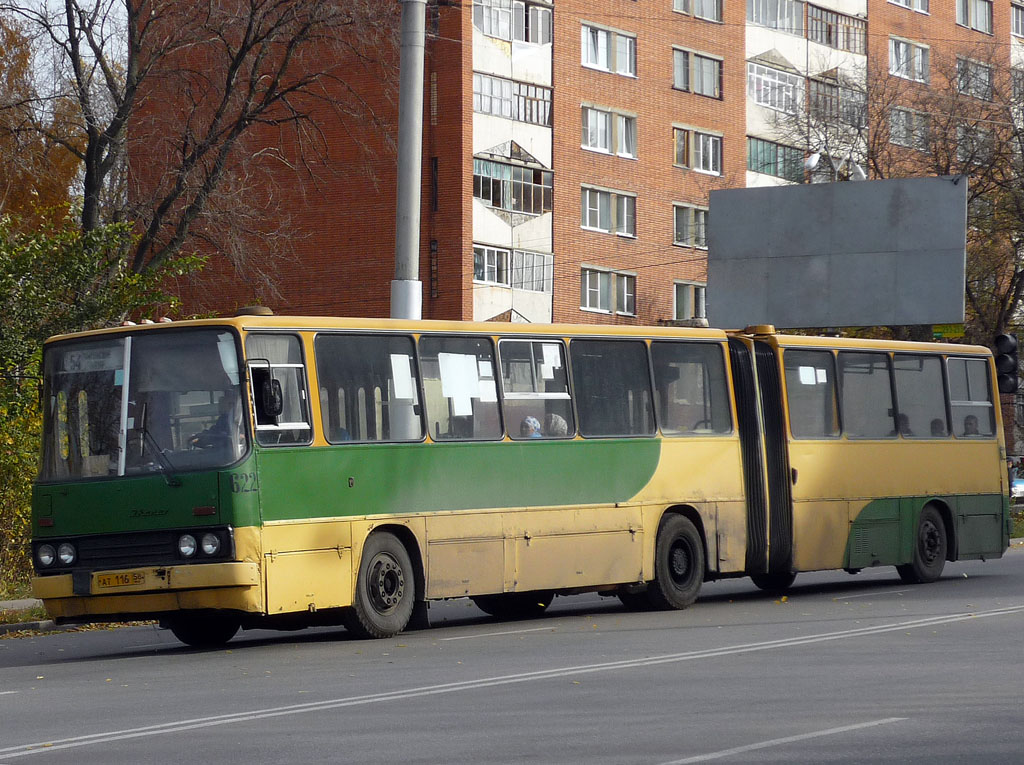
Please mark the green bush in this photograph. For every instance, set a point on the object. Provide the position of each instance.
(53, 280)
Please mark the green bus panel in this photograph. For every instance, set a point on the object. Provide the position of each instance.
(371, 479)
(884, 532)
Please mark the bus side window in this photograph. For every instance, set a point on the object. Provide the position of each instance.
(970, 398)
(692, 395)
(865, 394)
(920, 396)
(612, 387)
(371, 383)
(535, 389)
(460, 388)
(811, 392)
(278, 378)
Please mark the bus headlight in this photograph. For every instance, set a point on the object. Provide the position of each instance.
(211, 544)
(67, 554)
(46, 555)
(187, 545)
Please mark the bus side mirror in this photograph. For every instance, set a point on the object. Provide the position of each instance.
(271, 397)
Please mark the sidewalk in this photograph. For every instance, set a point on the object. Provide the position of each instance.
(43, 625)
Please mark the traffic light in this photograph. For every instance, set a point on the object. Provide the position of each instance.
(1005, 347)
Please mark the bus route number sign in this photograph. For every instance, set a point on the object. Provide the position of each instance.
(120, 580)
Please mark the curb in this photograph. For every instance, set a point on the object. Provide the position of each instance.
(46, 625)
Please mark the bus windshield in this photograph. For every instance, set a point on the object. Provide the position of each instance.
(157, 401)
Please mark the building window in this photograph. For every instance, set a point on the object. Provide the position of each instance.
(600, 289)
(707, 153)
(784, 15)
(915, 5)
(1017, 77)
(691, 226)
(908, 60)
(508, 20)
(698, 150)
(908, 128)
(775, 159)
(690, 301)
(533, 271)
(531, 23)
(512, 187)
(974, 79)
(708, 9)
(836, 103)
(836, 30)
(774, 88)
(490, 265)
(976, 14)
(697, 73)
(514, 100)
(608, 211)
(609, 51)
(609, 132)
(973, 144)
(493, 18)
(1017, 20)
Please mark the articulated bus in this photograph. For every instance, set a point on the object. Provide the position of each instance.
(277, 472)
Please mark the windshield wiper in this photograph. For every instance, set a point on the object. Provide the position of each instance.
(168, 469)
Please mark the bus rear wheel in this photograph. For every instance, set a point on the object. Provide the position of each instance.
(929, 549)
(678, 564)
(515, 605)
(204, 630)
(385, 588)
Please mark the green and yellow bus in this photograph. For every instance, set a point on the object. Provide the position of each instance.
(274, 471)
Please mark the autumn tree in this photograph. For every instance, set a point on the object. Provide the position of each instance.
(36, 172)
(180, 109)
(966, 120)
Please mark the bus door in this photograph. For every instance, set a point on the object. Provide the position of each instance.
(766, 473)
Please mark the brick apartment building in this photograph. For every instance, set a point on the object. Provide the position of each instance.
(569, 148)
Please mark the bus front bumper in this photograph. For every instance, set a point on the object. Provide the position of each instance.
(151, 590)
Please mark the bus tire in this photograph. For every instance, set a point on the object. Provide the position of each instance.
(385, 588)
(515, 605)
(779, 582)
(929, 549)
(678, 564)
(204, 630)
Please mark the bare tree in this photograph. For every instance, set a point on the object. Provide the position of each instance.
(966, 120)
(179, 110)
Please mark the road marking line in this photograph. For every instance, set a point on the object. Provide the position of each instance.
(872, 594)
(7, 693)
(489, 682)
(492, 634)
(781, 741)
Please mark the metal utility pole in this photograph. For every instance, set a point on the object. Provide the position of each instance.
(406, 288)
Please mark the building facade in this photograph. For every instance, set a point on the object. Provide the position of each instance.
(570, 147)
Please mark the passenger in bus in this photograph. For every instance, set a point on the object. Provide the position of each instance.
(555, 426)
(902, 426)
(971, 426)
(938, 428)
(530, 428)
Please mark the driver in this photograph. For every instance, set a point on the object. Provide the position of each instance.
(220, 432)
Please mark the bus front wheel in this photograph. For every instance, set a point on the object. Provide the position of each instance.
(205, 630)
(385, 588)
(929, 549)
(678, 564)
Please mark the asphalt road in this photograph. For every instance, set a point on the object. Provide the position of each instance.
(847, 669)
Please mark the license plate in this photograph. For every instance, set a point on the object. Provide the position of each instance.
(120, 580)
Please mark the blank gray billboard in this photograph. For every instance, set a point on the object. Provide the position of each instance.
(848, 254)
